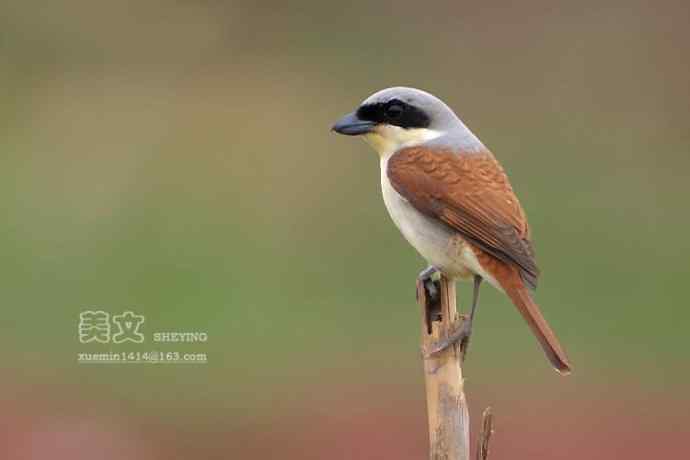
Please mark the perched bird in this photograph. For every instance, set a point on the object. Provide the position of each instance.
(453, 202)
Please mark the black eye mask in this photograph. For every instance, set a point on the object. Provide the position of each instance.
(394, 112)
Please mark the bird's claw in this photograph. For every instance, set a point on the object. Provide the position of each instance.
(431, 286)
(460, 335)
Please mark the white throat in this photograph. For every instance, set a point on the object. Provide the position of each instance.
(387, 139)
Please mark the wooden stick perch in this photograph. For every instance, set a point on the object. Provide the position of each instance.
(449, 420)
(485, 435)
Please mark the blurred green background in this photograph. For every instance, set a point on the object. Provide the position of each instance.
(175, 159)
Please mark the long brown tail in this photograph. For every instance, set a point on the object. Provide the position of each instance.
(518, 293)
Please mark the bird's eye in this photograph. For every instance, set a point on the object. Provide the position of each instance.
(394, 111)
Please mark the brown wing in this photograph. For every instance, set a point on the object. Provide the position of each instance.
(471, 194)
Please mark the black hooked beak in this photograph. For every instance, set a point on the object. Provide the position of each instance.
(351, 125)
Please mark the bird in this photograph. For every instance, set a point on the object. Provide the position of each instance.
(452, 201)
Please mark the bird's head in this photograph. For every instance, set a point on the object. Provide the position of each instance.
(400, 117)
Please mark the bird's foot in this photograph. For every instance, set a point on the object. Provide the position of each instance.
(460, 335)
(431, 286)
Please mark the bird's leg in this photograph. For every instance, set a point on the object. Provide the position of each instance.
(462, 334)
(467, 323)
